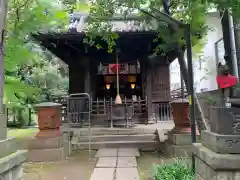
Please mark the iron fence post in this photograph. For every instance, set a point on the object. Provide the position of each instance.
(191, 88)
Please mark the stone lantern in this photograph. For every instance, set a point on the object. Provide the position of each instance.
(180, 112)
(48, 145)
(49, 119)
(179, 143)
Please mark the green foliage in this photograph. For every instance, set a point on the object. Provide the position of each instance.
(101, 12)
(48, 80)
(193, 12)
(179, 170)
(210, 98)
(22, 57)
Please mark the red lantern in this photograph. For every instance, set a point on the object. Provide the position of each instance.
(226, 81)
(113, 68)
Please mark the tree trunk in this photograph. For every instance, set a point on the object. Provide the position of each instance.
(198, 111)
(3, 12)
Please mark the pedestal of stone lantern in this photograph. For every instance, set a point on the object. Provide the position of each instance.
(179, 143)
(11, 159)
(48, 145)
(218, 154)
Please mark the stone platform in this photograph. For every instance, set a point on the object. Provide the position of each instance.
(217, 156)
(116, 164)
(42, 150)
(215, 166)
(179, 145)
(222, 144)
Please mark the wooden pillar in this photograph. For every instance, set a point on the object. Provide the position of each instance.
(93, 77)
(76, 78)
(143, 73)
(149, 93)
(87, 82)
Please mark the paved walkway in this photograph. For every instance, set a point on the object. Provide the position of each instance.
(116, 164)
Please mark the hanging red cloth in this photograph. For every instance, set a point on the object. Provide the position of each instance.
(226, 81)
(113, 68)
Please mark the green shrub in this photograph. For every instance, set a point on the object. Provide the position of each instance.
(178, 170)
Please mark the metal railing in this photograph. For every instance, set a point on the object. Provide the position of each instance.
(101, 109)
(177, 93)
(79, 109)
(139, 106)
(63, 101)
(104, 109)
(163, 111)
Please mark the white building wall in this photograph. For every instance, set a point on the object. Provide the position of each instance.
(205, 64)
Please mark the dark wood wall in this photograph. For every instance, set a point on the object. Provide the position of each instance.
(161, 83)
(155, 79)
(157, 87)
(77, 75)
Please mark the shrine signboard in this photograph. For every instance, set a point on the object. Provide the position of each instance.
(125, 68)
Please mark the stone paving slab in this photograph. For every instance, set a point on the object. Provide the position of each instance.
(107, 162)
(128, 152)
(107, 152)
(127, 174)
(102, 174)
(126, 162)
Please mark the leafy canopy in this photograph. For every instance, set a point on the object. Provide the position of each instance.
(23, 18)
(193, 12)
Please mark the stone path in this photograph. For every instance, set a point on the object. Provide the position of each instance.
(116, 164)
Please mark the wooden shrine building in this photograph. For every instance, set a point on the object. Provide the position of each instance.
(93, 70)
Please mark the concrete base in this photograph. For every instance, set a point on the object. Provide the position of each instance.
(222, 144)
(211, 165)
(179, 145)
(7, 147)
(42, 149)
(3, 127)
(171, 150)
(67, 144)
(11, 160)
(46, 155)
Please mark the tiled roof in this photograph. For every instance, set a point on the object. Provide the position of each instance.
(132, 24)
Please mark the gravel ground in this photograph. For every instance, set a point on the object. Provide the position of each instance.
(76, 167)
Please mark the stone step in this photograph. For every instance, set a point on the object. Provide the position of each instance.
(107, 124)
(109, 131)
(141, 145)
(119, 137)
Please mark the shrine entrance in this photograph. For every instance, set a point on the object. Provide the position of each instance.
(130, 84)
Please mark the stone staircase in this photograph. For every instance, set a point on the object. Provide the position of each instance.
(143, 139)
